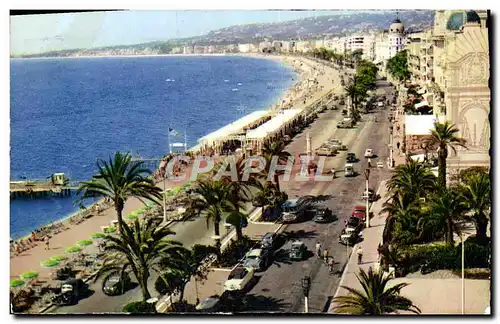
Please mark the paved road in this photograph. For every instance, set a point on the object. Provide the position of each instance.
(281, 282)
(188, 233)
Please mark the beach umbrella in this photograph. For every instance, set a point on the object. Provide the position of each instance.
(97, 235)
(16, 283)
(59, 258)
(73, 249)
(84, 242)
(29, 275)
(50, 263)
(110, 230)
(131, 216)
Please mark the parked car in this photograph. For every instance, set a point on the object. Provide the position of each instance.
(380, 104)
(354, 223)
(322, 215)
(298, 250)
(269, 240)
(351, 158)
(291, 211)
(238, 278)
(345, 124)
(370, 195)
(209, 305)
(115, 284)
(257, 259)
(325, 151)
(369, 153)
(349, 170)
(71, 292)
(348, 236)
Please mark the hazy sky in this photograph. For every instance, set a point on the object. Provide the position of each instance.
(41, 33)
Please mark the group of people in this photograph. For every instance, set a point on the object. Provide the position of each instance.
(22, 245)
(330, 262)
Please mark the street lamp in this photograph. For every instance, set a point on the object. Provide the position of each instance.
(367, 176)
(306, 286)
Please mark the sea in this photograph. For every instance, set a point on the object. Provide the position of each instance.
(68, 112)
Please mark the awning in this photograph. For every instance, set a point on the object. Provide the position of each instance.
(274, 124)
(419, 124)
(421, 104)
(418, 157)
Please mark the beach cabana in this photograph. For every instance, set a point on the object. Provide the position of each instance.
(278, 126)
(233, 131)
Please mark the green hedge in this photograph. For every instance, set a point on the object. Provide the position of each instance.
(139, 307)
(428, 258)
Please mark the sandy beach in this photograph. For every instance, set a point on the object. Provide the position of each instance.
(299, 96)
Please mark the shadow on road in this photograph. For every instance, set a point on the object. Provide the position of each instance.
(253, 302)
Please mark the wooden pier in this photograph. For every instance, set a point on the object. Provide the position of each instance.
(56, 185)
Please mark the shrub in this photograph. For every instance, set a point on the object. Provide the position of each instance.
(181, 307)
(96, 236)
(139, 307)
(235, 252)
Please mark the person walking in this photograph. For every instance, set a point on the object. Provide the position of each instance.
(360, 254)
(331, 264)
(318, 249)
(47, 242)
(325, 255)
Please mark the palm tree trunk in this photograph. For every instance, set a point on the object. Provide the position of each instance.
(119, 210)
(443, 154)
(239, 233)
(277, 181)
(217, 233)
(143, 282)
(481, 223)
(449, 230)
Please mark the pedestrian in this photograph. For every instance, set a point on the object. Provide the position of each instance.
(318, 249)
(47, 242)
(325, 255)
(369, 163)
(360, 254)
(397, 145)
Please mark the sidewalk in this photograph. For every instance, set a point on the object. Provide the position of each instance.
(432, 296)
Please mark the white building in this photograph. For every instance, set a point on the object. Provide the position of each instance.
(396, 37)
(188, 50)
(369, 47)
(244, 48)
(355, 42)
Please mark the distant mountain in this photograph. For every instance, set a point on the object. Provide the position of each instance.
(318, 27)
(305, 28)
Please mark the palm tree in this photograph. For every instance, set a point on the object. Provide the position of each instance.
(268, 195)
(444, 135)
(271, 149)
(478, 199)
(375, 298)
(402, 209)
(119, 179)
(141, 248)
(449, 206)
(239, 221)
(413, 178)
(213, 200)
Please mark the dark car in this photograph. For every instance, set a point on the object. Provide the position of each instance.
(71, 292)
(348, 237)
(298, 250)
(211, 304)
(354, 223)
(351, 158)
(115, 284)
(323, 215)
(269, 240)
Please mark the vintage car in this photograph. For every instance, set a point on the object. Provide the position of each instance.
(354, 223)
(291, 211)
(322, 215)
(351, 158)
(269, 240)
(298, 250)
(348, 236)
(369, 153)
(238, 278)
(115, 284)
(71, 292)
(257, 259)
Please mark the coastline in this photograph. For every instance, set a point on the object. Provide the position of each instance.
(287, 94)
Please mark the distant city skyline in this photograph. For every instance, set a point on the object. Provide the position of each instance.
(51, 32)
(42, 33)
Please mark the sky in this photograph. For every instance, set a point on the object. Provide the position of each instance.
(48, 32)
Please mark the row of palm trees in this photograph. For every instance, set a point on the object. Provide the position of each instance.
(421, 208)
(144, 246)
(363, 81)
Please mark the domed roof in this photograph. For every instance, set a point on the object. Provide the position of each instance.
(473, 17)
(397, 26)
(460, 18)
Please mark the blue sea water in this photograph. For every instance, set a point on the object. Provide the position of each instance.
(67, 113)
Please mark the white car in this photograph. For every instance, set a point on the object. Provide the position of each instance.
(238, 279)
(380, 104)
(368, 153)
